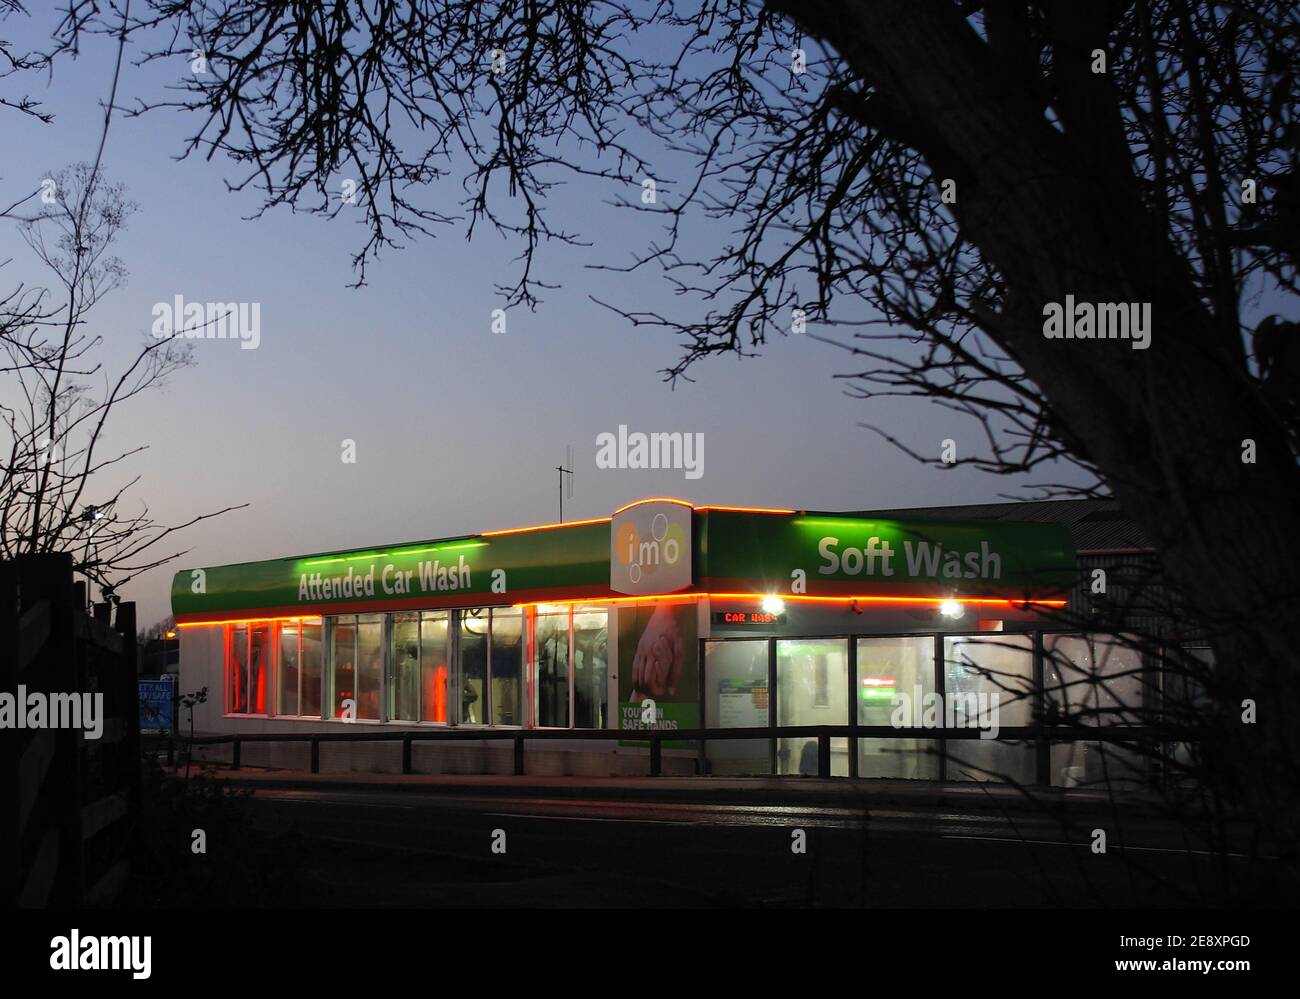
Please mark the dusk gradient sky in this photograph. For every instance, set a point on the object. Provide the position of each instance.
(457, 430)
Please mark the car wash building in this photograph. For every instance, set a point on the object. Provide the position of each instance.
(663, 615)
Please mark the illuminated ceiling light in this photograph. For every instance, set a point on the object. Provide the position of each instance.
(951, 608)
(773, 605)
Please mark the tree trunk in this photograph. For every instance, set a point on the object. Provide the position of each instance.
(1166, 426)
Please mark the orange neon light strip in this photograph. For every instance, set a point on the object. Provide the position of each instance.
(544, 527)
(652, 499)
(746, 509)
(628, 506)
(975, 601)
(309, 619)
(649, 598)
(613, 600)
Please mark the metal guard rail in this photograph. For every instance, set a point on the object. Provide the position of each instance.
(656, 738)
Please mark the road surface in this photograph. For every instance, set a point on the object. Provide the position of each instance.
(396, 847)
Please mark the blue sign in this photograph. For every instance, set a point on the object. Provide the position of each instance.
(157, 701)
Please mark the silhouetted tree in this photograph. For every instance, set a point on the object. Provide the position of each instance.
(927, 175)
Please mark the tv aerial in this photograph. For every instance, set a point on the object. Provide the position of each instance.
(566, 485)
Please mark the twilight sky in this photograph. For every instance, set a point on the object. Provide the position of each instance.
(457, 429)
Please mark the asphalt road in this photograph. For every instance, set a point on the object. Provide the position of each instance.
(374, 847)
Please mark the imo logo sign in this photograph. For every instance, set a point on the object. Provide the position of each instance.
(650, 548)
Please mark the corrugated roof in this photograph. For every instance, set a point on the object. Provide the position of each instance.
(1093, 523)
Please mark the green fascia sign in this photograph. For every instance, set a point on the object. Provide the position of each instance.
(734, 552)
(833, 554)
(503, 569)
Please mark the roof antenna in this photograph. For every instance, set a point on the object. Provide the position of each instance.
(566, 486)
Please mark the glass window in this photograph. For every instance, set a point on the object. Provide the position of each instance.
(473, 666)
(370, 664)
(895, 679)
(343, 657)
(735, 696)
(571, 667)
(507, 647)
(551, 668)
(1093, 680)
(590, 667)
(417, 667)
(299, 669)
(310, 669)
(988, 680)
(812, 688)
(1186, 672)
(259, 658)
(434, 672)
(404, 668)
(290, 664)
(237, 669)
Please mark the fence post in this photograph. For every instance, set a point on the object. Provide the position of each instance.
(823, 754)
(656, 755)
(57, 805)
(315, 756)
(10, 741)
(406, 754)
(130, 689)
(1042, 745)
(519, 756)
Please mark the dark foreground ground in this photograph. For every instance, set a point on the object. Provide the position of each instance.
(279, 838)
